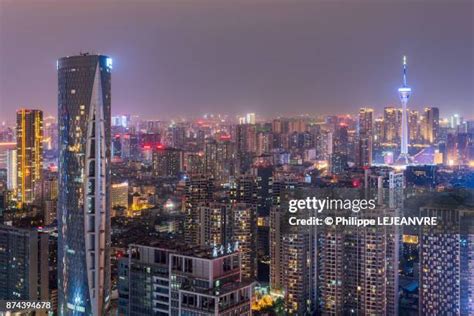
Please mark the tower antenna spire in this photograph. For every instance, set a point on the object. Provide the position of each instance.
(405, 71)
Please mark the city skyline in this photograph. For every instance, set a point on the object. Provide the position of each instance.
(191, 67)
(236, 158)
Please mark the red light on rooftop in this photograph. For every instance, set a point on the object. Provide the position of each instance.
(355, 183)
(225, 137)
(160, 146)
(146, 147)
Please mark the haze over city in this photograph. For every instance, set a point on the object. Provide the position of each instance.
(269, 57)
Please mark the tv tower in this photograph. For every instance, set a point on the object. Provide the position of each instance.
(404, 92)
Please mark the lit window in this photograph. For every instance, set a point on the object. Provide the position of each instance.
(73, 91)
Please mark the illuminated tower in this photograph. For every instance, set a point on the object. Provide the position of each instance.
(84, 84)
(404, 92)
(29, 129)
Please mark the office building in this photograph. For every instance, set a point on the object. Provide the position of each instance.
(84, 101)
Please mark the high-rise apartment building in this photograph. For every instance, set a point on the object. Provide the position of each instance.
(244, 233)
(29, 131)
(358, 269)
(446, 260)
(24, 262)
(222, 224)
(84, 100)
(215, 224)
(199, 189)
(219, 159)
(167, 162)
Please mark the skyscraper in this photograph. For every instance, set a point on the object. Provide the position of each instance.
(29, 131)
(365, 137)
(84, 84)
(404, 92)
(339, 149)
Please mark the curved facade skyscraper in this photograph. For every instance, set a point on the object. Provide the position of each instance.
(84, 84)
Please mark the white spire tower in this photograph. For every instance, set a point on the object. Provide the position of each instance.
(404, 92)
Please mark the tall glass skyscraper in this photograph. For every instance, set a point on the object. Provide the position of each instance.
(84, 83)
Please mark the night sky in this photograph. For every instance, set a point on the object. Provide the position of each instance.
(272, 57)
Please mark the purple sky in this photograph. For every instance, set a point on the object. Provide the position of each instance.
(272, 57)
